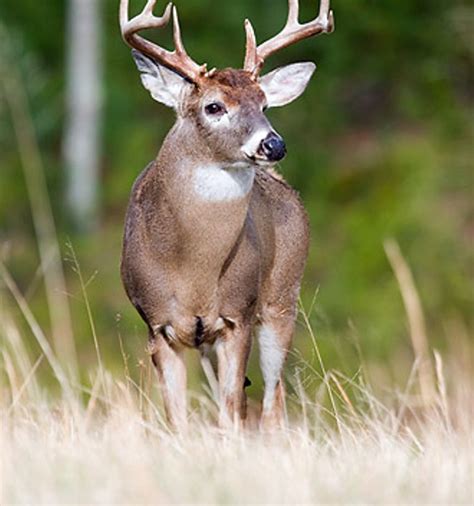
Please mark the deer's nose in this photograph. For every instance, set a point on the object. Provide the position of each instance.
(273, 147)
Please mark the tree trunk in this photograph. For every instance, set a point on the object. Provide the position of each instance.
(83, 123)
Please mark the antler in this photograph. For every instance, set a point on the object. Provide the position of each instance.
(178, 59)
(293, 32)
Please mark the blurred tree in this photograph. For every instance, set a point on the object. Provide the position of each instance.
(83, 124)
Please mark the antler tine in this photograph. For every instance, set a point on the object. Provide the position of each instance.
(150, 6)
(293, 12)
(251, 56)
(178, 59)
(144, 20)
(178, 41)
(293, 31)
(179, 46)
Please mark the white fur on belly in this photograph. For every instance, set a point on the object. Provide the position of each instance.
(215, 184)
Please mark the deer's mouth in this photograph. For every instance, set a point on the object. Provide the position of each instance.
(260, 160)
(266, 150)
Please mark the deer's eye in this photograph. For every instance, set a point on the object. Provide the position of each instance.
(215, 108)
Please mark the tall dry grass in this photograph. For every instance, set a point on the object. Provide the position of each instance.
(106, 442)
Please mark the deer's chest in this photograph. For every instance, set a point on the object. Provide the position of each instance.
(196, 257)
(213, 184)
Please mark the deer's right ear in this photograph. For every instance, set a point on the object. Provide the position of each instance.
(286, 84)
(164, 85)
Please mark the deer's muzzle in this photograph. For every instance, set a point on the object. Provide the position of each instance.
(273, 147)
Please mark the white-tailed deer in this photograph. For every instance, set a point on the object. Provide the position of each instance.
(215, 243)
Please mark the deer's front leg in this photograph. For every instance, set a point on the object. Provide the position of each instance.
(232, 357)
(171, 371)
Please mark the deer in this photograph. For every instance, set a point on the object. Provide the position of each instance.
(215, 241)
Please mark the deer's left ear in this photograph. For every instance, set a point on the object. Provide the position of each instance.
(286, 84)
(164, 85)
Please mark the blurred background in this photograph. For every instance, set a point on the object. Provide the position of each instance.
(380, 146)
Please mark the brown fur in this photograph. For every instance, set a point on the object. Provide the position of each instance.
(205, 273)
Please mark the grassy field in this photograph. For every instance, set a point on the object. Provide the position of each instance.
(105, 441)
(63, 454)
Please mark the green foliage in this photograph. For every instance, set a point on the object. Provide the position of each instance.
(379, 146)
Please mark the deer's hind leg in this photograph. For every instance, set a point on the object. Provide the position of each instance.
(281, 285)
(274, 336)
(277, 316)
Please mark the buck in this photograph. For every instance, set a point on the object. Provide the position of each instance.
(215, 242)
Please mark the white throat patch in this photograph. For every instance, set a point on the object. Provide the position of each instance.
(215, 184)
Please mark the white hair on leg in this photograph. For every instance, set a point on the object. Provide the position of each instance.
(209, 372)
(272, 357)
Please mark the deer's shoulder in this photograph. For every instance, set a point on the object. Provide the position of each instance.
(143, 183)
(279, 195)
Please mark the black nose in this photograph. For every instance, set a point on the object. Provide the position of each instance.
(273, 147)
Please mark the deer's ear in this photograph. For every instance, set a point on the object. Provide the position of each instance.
(164, 85)
(286, 84)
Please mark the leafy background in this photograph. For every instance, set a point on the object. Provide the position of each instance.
(380, 146)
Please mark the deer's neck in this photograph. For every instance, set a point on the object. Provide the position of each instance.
(206, 205)
(212, 183)
(209, 200)
(193, 170)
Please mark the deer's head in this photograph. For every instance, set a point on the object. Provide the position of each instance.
(225, 107)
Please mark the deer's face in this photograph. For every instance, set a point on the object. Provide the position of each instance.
(227, 109)
(229, 114)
